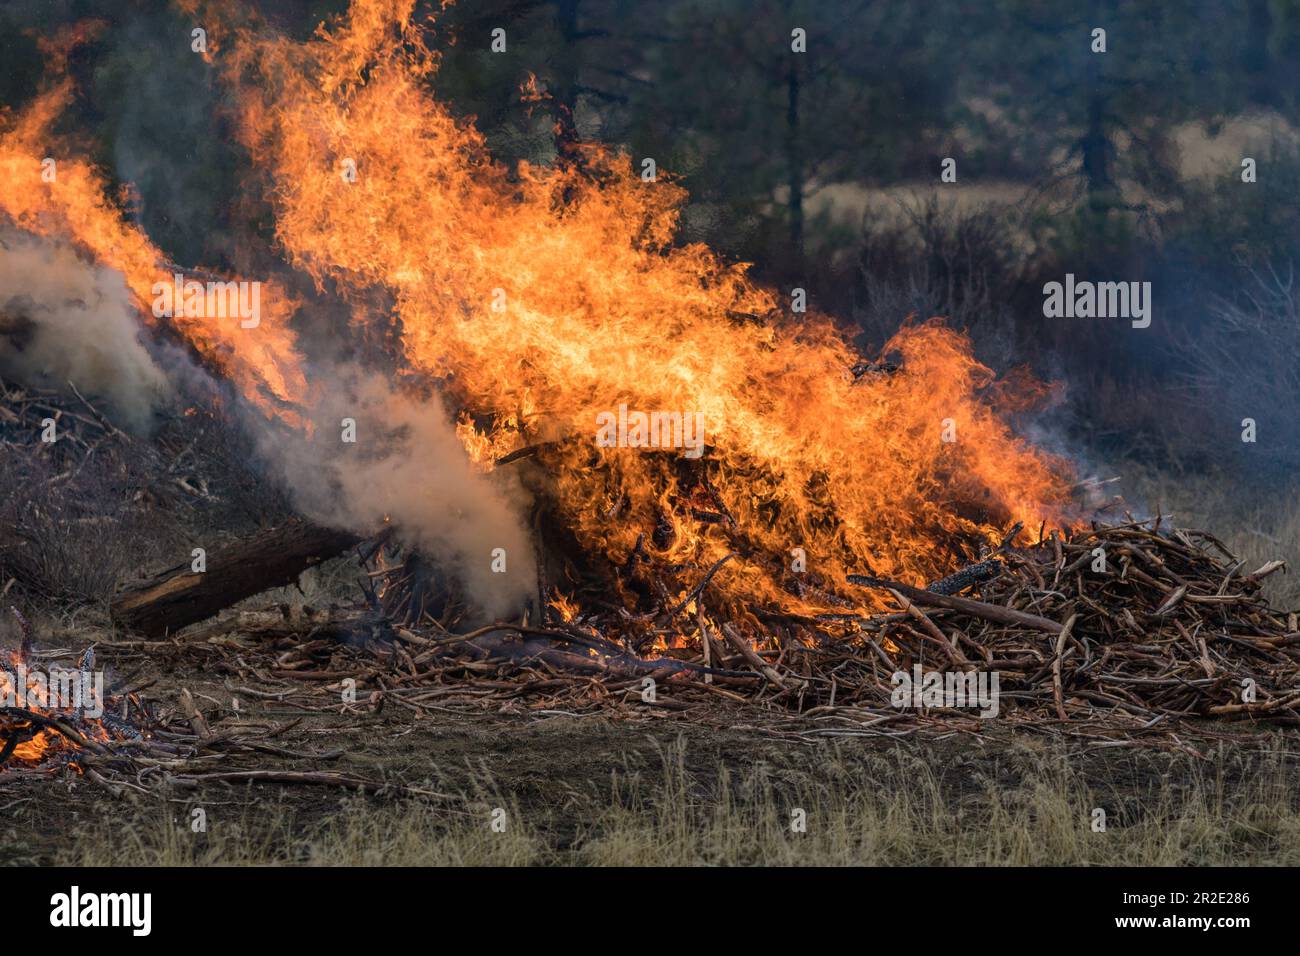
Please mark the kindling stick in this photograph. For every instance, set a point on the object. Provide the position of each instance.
(987, 612)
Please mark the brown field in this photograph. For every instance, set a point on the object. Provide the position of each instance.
(595, 793)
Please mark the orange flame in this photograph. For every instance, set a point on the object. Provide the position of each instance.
(68, 201)
(544, 296)
(37, 697)
(547, 295)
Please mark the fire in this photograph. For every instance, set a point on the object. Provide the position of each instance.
(547, 295)
(47, 190)
(544, 296)
(35, 749)
(36, 744)
(566, 608)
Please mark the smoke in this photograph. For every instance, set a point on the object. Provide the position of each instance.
(408, 467)
(65, 320)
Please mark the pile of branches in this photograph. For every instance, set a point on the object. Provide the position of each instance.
(147, 746)
(1131, 624)
(1126, 619)
(1133, 634)
(67, 485)
(85, 505)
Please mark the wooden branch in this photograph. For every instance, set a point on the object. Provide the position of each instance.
(751, 655)
(179, 596)
(988, 612)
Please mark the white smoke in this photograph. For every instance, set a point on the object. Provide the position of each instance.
(408, 466)
(64, 320)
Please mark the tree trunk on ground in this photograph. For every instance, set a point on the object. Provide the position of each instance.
(180, 596)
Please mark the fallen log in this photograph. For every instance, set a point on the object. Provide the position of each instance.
(181, 596)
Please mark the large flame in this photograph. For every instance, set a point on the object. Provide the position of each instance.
(544, 295)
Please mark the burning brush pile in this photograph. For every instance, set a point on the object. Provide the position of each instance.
(569, 447)
(1120, 626)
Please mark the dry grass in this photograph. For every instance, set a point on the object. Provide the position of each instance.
(356, 835)
(895, 810)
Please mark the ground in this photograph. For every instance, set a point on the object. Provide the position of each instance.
(659, 789)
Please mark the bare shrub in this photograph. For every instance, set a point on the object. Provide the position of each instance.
(940, 259)
(1243, 360)
(66, 545)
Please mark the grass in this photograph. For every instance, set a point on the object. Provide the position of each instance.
(896, 808)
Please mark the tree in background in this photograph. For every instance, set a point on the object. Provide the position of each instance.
(763, 117)
(1100, 116)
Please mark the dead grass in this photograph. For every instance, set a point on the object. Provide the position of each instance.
(897, 809)
(356, 835)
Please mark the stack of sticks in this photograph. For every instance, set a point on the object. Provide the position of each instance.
(50, 436)
(1130, 619)
(1132, 624)
(1131, 634)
